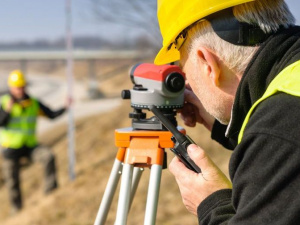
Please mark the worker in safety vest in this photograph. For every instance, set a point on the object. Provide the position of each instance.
(18, 120)
(242, 63)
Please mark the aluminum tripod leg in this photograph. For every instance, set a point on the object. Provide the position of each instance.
(109, 193)
(137, 173)
(153, 193)
(124, 196)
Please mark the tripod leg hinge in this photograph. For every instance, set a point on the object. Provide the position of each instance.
(121, 154)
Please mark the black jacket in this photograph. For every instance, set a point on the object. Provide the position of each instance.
(265, 166)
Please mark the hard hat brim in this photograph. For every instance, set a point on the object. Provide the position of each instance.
(166, 56)
(18, 85)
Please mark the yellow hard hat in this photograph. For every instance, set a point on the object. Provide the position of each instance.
(16, 79)
(176, 15)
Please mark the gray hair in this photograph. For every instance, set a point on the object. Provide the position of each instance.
(268, 14)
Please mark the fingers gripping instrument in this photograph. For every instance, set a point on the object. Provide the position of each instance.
(181, 141)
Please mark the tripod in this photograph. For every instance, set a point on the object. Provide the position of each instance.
(137, 149)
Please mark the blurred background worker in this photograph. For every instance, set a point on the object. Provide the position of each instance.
(18, 119)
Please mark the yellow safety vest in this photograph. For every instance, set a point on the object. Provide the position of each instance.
(287, 81)
(21, 127)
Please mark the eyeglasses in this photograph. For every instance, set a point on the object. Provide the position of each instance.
(180, 39)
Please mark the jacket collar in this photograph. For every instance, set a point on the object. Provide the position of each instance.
(278, 52)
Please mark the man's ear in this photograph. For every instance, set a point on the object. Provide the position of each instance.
(210, 61)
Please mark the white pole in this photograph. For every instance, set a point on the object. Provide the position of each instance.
(69, 73)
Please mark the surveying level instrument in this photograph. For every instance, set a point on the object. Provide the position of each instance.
(160, 89)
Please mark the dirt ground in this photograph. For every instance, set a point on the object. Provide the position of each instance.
(76, 202)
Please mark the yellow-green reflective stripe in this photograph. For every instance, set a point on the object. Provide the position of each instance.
(287, 81)
(22, 119)
(20, 130)
(16, 126)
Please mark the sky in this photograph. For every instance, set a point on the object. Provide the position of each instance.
(38, 19)
(29, 20)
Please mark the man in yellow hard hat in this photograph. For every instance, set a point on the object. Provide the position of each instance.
(242, 63)
(18, 120)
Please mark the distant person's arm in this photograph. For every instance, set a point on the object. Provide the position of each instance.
(49, 113)
(4, 117)
(5, 113)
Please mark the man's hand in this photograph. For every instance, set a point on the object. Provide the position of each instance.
(194, 188)
(9, 105)
(193, 111)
